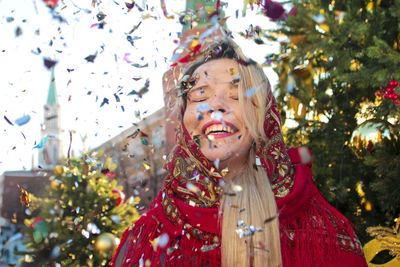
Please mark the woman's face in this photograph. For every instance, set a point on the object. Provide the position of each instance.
(213, 115)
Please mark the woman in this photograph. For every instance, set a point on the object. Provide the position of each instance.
(234, 195)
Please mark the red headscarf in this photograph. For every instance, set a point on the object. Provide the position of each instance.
(181, 227)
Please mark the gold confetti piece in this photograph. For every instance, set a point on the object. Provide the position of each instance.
(224, 171)
(146, 166)
(25, 197)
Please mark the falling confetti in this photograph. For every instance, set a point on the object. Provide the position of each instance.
(18, 31)
(216, 163)
(217, 115)
(105, 101)
(25, 197)
(42, 142)
(203, 107)
(142, 91)
(146, 166)
(91, 58)
(51, 3)
(7, 120)
(49, 63)
(251, 92)
(191, 187)
(23, 120)
(136, 65)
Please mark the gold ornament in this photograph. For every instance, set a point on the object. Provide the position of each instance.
(355, 65)
(54, 184)
(385, 239)
(295, 104)
(106, 243)
(59, 170)
(370, 5)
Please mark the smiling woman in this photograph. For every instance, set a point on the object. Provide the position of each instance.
(234, 195)
(221, 131)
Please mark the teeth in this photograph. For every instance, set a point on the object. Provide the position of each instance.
(219, 128)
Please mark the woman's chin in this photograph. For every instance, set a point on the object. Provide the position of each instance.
(221, 156)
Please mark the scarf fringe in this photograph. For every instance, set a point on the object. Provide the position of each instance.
(139, 249)
(313, 237)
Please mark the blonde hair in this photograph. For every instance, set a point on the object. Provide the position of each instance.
(256, 199)
(254, 204)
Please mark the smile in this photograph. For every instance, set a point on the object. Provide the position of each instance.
(219, 130)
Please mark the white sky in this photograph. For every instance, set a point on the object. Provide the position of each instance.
(24, 80)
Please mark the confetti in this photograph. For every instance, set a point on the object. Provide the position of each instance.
(144, 141)
(224, 171)
(204, 107)
(51, 3)
(7, 120)
(91, 58)
(191, 187)
(23, 120)
(136, 65)
(216, 163)
(105, 101)
(126, 59)
(18, 31)
(49, 63)
(142, 91)
(269, 219)
(209, 247)
(217, 115)
(100, 16)
(135, 133)
(237, 188)
(146, 166)
(42, 142)
(135, 28)
(130, 5)
(251, 91)
(25, 197)
(37, 52)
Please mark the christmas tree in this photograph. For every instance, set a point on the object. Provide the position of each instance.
(80, 222)
(339, 70)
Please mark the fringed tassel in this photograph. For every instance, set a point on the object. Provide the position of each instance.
(138, 248)
(135, 248)
(311, 237)
(190, 254)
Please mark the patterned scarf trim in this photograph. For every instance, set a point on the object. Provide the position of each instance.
(194, 179)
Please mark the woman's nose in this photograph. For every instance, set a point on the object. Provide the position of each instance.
(217, 103)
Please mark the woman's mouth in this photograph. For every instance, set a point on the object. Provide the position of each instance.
(218, 130)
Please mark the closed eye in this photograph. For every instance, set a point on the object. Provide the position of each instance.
(198, 100)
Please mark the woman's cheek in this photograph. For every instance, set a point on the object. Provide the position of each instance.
(191, 122)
